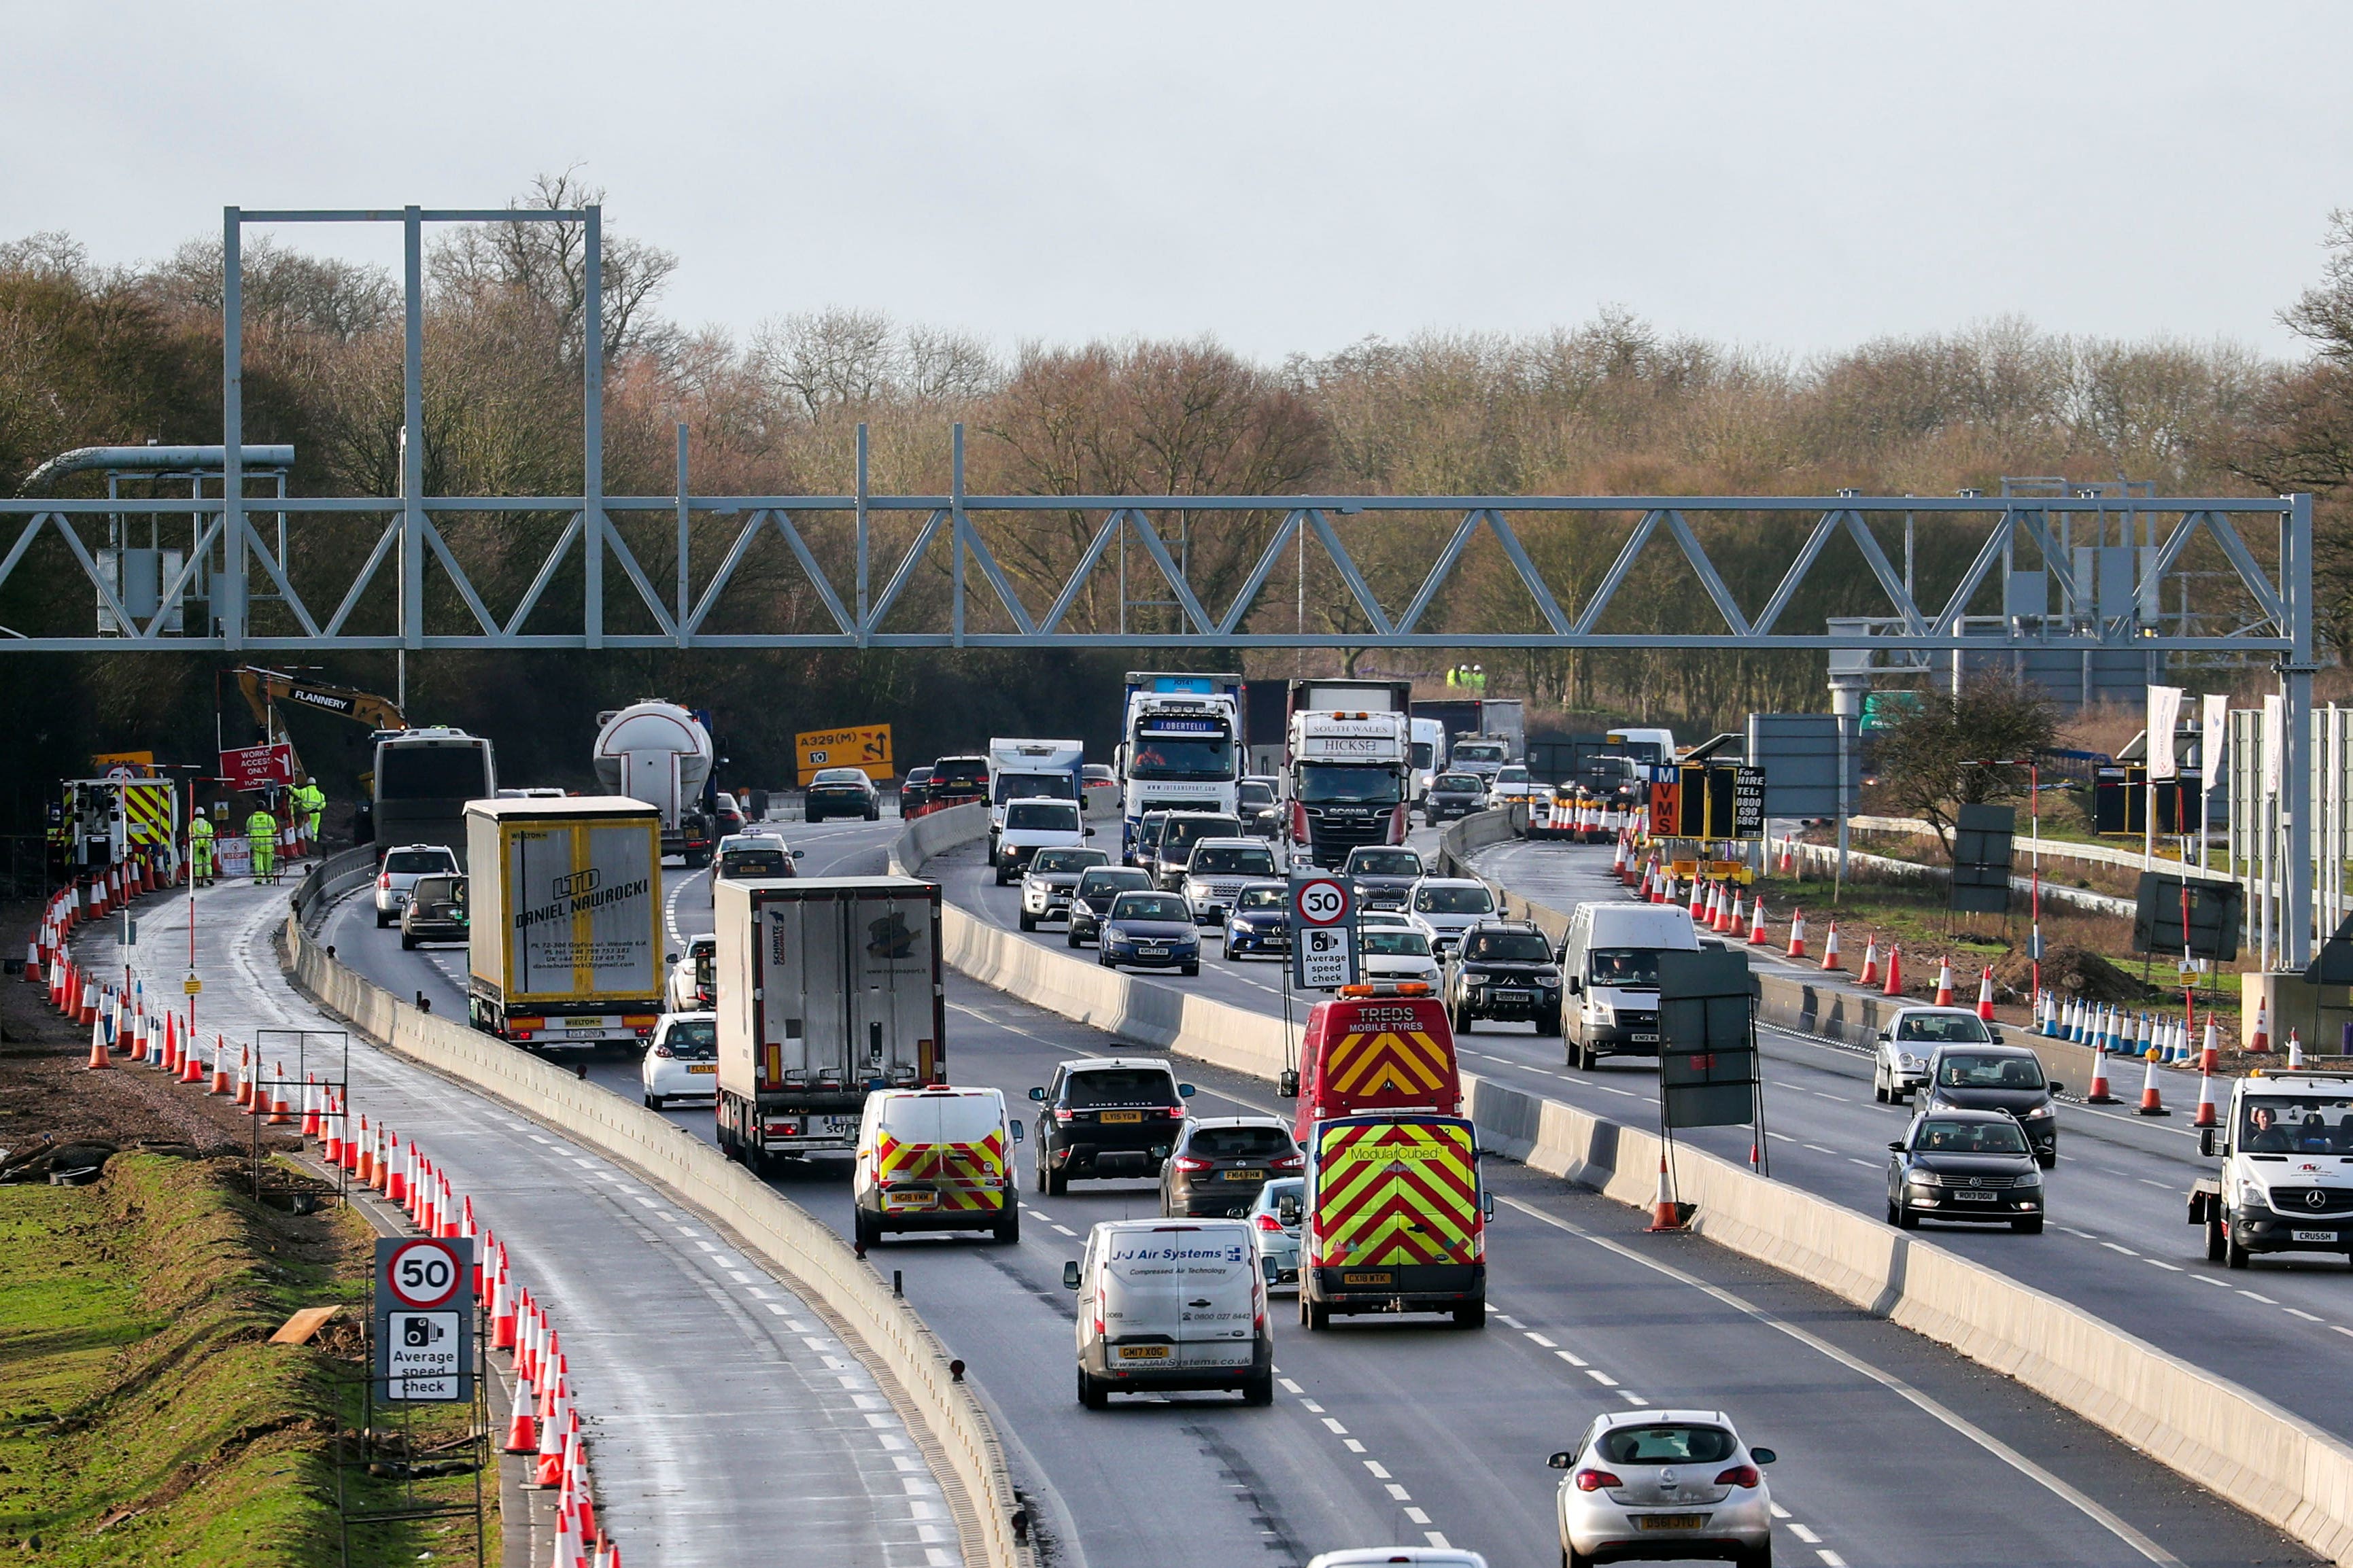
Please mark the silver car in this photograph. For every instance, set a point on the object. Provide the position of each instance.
(1665, 1485)
(1275, 1221)
(1900, 1064)
(1052, 876)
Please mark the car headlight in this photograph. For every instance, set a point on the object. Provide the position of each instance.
(1908, 1060)
(2031, 1179)
(1924, 1179)
(2039, 1112)
(2252, 1196)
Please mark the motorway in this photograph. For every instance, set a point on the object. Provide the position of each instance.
(1893, 1449)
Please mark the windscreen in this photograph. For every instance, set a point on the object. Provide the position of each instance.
(1965, 1070)
(1219, 860)
(410, 862)
(1507, 947)
(1039, 817)
(1939, 1135)
(1068, 860)
(1250, 794)
(1424, 753)
(1479, 751)
(1241, 1143)
(1348, 784)
(1397, 943)
(1112, 879)
(1261, 898)
(1150, 907)
(1384, 863)
(1199, 757)
(1624, 967)
(2304, 1123)
(1666, 1444)
(1454, 901)
(1119, 1086)
(1034, 786)
(1181, 832)
(1943, 1028)
(698, 1040)
(837, 777)
(1459, 783)
(432, 773)
(1513, 774)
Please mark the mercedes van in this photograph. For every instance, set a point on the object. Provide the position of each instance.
(1610, 975)
(1171, 1304)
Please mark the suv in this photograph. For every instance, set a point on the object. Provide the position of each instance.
(1382, 875)
(1258, 803)
(1443, 907)
(2286, 1182)
(1106, 1117)
(2007, 1079)
(436, 911)
(1900, 1064)
(1047, 885)
(1220, 868)
(395, 877)
(1178, 833)
(1504, 970)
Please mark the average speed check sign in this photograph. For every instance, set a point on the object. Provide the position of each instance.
(1323, 942)
(424, 1319)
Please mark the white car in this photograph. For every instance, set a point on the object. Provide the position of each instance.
(682, 1061)
(1384, 920)
(1392, 954)
(1443, 907)
(692, 976)
(398, 874)
(1900, 1060)
(1511, 783)
(756, 855)
(1652, 1484)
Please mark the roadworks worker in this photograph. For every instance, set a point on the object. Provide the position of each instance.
(261, 837)
(200, 850)
(309, 804)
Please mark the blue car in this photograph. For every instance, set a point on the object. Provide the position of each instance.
(1151, 930)
(1259, 920)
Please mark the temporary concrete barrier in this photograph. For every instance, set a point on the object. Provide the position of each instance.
(818, 1262)
(2243, 1448)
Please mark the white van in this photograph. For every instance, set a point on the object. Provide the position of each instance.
(1172, 1303)
(1033, 825)
(1610, 975)
(935, 1159)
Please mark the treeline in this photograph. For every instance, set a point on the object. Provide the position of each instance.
(96, 355)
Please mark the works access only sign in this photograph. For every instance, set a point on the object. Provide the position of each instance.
(862, 746)
(258, 767)
(424, 1319)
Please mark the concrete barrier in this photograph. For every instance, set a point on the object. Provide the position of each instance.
(2224, 1437)
(817, 1261)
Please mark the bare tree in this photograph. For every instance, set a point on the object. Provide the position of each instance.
(547, 264)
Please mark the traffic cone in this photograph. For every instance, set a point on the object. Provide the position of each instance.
(1757, 937)
(309, 1105)
(1831, 962)
(31, 973)
(245, 1078)
(550, 1470)
(1618, 861)
(466, 1232)
(89, 1000)
(2210, 1054)
(523, 1427)
(331, 1134)
(501, 1305)
(282, 1111)
(1895, 986)
(1944, 982)
(1784, 867)
(1985, 993)
(100, 1058)
(2294, 1052)
(2206, 1116)
(391, 1172)
(2151, 1102)
(1797, 935)
(566, 1550)
(448, 1212)
(1659, 890)
(220, 1084)
(2098, 1093)
(1732, 920)
(2259, 1044)
(1869, 975)
(587, 1503)
(192, 1061)
(363, 1167)
(1663, 1207)
(1699, 896)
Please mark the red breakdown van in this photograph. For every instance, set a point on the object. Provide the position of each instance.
(1382, 1047)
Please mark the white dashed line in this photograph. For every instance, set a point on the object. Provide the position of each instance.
(2307, 1317)
(1572, 1359)
(1399, 1493)
(2266, 1301)
(1334, 1426)
(1288, 1386)
(2172, 1268)
(1380, 1471)
(1829, 1559)
(1542, 1341)
(1352, 1445)
(1801, 1533)
(1417, 1516)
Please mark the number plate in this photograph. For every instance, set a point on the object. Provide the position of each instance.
(917, 1200)
(584, 1034)
(1974, 1198)
(2314, 1235)
(1368, 1277)
(1122, 1116)
(1246, 1176)
(1511, 995)
(1152, 953)
(1650, 1039)
(703, 1066)
(1670, 1521)
(1144, 1352)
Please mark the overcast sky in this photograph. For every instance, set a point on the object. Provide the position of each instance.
(1288, 177)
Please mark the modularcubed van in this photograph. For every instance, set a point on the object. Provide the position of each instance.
(1609, 971)
(1170, 1304)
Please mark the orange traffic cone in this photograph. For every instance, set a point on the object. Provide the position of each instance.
(2205, 1116)
(331, 1126)
(1732, 921)
(522, 1428)
(364, 1164)
(309, 1105)
(1757, 937)
(1895, 986)
(220, 1066)
(391, 1173)
(1784, 867)
(1944, 982)
(2294, 1052)
(1699, 896)
(2098, 1093)
(1797, 935)
(449, 1229)
(1869, 975)
(89, 999)
(1830, 963)
(2151, 1102)
(281, 1110)
(2260, 1043)
(245, 1077)
(2210, 1055)
(550, 1470)
(100, 1058)
(1985, 993)
(587, 1503)
(1663, 1207)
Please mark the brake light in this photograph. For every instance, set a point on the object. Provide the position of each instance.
(1289, 1163)
(1740, 1476)
(1176, 1113)
(1187, 1162)
(1594, 1480)
(1268, 1222)
(384, 879)
(664, 1051)
(1061, 1114)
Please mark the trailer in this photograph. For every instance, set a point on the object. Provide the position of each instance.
(564, 940)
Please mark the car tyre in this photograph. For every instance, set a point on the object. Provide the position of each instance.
(1029, 921)
(2048, 1161)
(1189, 970)
(1001, 876)
(1073, 936)
(812, 818)
(2215, 1240)
(1092, 1395)
(1905, 1219)
(1548, 1023)
(408, 942)
(1760, 1557)
(1879, 1090)
(2028, 1227)
(1104, 960)
(653, 1102)
(874, 812)
(1259, 1390)
(382, 919)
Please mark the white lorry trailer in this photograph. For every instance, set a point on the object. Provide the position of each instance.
(1180, 745)
(829, 989)
(1031, 770)
(658, 753)
(565, 934)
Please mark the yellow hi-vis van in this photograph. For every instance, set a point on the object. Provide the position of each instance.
(1396, 1219)
(935, 1159)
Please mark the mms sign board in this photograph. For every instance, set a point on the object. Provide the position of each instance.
(864, 746)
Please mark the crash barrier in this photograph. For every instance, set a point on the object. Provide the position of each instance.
(1824, 857)
(819, 1263)
(2273, 1464)
(2021, 848)
(330, 879)
(1473, 833)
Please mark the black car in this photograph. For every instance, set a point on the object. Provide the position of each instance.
(1149, 929)
(841, 791)
(1218, 1166)
(1145, 846)
(955, 780)
(2006, 1078)
(1258, 803)
(1964, 1166)
(1107, 1118)
(1091, 900)
(1453, 795)
(1503, 970)
(726, 816)
(1382, 877)
(1260, 920)
(915, 791)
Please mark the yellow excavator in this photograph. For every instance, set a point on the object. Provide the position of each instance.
(264, 688)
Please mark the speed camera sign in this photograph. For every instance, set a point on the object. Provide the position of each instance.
(423, 1321)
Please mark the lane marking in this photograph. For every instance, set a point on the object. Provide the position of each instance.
(1800, 1532)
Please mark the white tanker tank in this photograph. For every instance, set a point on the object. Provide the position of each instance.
(658, 753)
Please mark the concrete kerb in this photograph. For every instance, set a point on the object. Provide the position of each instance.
(808, 1253)
(2224, 1437)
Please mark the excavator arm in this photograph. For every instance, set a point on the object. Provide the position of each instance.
(263, 687)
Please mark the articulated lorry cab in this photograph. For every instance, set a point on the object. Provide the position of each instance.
(1374, 1049)
(564, 947)
(1347, 776)
(1180, 745)
(1396, 1219)
(2286, 1182)
(828, 990)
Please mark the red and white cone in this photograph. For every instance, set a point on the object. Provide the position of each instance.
(332, 1133)
(221, 1085)
(100, 1058)
(281, 1110)
(1895, 986)
(523, 1427)
(2260, 1043)
(1699, 896)
(1618, 861)
(1784, 867)
(1944, 982)
(2210, 1055)
(192, 1058)
(1831, 962)
(1663, 1207)
(309, 1105)
(1732, 918)
(2098, 1093)
(245, 1078)
(1756, 923)
(2152, 1103)
(1869, 975)
(1985, 993)
(2206, 1116)
(1797, 935)
(2294, 1052)
(448, 1229)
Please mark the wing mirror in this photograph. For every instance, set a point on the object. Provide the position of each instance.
(1185, 1090)
(1561, 1461)
(1286, 1084)
(1763, 1456)
(1069, 1274)
(1019, 1131)
(670, 958)
(1576, 985)
(2205, 1141)
(1039, 1095)
(1487, 1206)
(798, 853)
(1896, 1147)
(2058, 1087)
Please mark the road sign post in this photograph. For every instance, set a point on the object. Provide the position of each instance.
(424, 1319)
(1323, 931)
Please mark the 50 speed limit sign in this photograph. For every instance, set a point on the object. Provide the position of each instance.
(424, 1272)
(1319, 901)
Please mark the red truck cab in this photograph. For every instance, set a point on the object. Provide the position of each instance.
(1375, 1049)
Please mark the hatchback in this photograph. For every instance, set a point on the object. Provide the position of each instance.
(756, 855)
(436, 911)
(398, 876)
(2007, 1079)
(1453, 795)
(1275, 1218)
(1052, 876)
(682, 1062)
(1220, 1162)
(1665, 1485)
(1150, 931)
(1443, 907)
(1091, 898)
(1260, 920)
(1900, 1064)
(915, 791)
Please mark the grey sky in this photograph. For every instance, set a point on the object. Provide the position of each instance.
(1288, 177)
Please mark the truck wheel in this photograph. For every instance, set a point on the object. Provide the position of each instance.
(2233, 1254)
(1092, 1394)
(1029, 921)
(1470, 1314)
(1259, 1390)
(2214, 1239)
(1007, 1232)
(867, 1228)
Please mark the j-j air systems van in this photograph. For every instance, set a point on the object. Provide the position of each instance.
(935, 1159)
(1396, 1219)
(1610, 971)
(1171, 1304)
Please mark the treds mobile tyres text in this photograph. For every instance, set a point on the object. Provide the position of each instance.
(1396, 1219)
(829, 989)
(564, 936)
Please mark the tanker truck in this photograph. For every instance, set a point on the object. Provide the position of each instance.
(658, 753)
